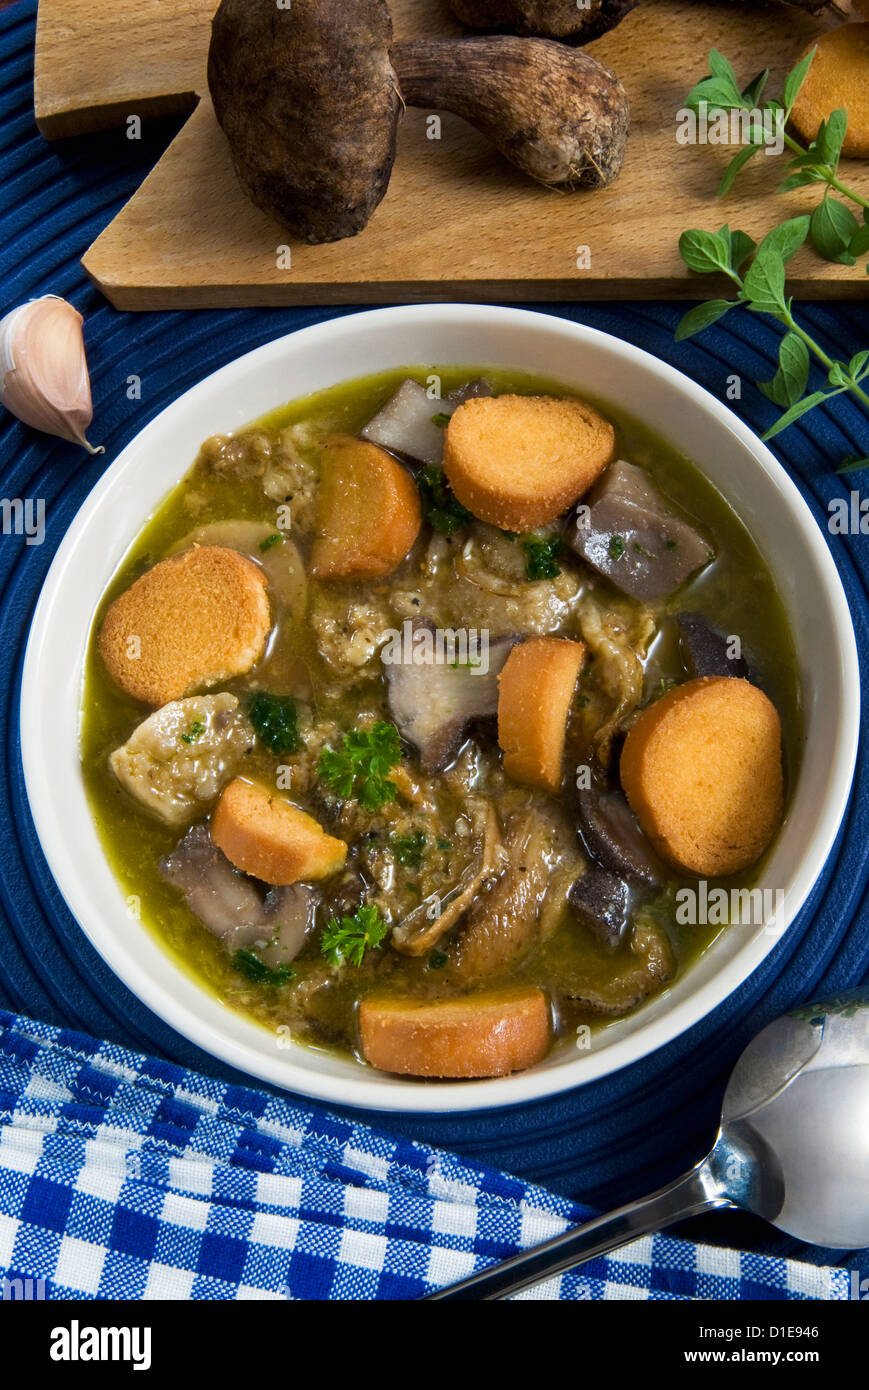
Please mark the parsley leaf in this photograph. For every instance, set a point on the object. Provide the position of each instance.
(540, 557)
(358, 769)
(348, 940)
(275, 719)
(248, 963)
(274, 539)
(196, 730)
(616, 547)
(441, 509)
(408, 849)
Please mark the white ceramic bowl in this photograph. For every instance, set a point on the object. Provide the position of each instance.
(133, 487)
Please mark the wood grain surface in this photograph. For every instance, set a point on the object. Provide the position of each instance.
(458, 221)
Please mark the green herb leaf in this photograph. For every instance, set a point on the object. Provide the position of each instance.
(838, 375)
(540, 557)
(795, 79)
(441, 419)
(347, 940)
(616, 547)
(796, 411)
(833, 226)
(791, 379)
(852, 464)
(437, 960)
(827, 144)
(196, 730)
(765, 283)
(702, 316)
(787, 238)
(248, 963)
(275, 719)
(274, 539)
(738, 162)
(441, 509)
(409, 849)
(359, 768)
(858, 367)
(741, 247)
(800, 180)
(859, 243)
(705, 252)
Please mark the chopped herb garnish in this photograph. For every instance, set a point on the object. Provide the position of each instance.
(437, 960)
(276, 720)
(248, 963)
(540, 557)
(441, 509)
(617, 547)
(666, 683)
(197, 728)
(582, 701)
(408, 849)
(359, 768)
(443, 843)
(274, 539)
(348, 940)
(671, 545)
(441, 419)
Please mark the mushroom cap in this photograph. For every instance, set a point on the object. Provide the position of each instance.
(551, 19)
(308, 101)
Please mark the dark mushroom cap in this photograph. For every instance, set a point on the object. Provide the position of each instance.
(307, 99)
(552, 19)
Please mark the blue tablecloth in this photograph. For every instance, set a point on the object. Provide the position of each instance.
(609, 1141)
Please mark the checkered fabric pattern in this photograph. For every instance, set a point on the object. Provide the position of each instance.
(123, 1177)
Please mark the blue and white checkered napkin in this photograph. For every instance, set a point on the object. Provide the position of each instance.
(126, 1177)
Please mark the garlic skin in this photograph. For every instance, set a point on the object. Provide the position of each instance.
(43, 372)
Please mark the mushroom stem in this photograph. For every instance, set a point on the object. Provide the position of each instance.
(555, 112)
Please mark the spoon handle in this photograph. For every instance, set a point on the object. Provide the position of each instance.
(695, 1191)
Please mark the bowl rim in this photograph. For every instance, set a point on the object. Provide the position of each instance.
(413, 1095)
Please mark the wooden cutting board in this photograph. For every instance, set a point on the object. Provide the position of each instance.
(457, 221)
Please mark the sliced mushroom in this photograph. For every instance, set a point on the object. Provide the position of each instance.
(525, 902)
(654, 966)
(411, 423)
(434, 704)
(274, 551)
(177, 760)
(419, 931)
(602, 901)
(706, 650)
(233, 906)
(612, 836)
(630, 533)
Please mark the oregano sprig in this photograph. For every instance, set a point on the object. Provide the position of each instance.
(759, 273)
(835, 232)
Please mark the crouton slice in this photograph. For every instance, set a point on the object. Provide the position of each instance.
(702, 770)
(837, 79)
(368, 512)
(520, 461)
(266, 836)
(478, 1035)
(535, 689)
(189, 622)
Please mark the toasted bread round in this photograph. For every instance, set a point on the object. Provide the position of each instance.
(838, 78)
(478, 1035)
(520, 461)
(192, 620)
(702, 770)
(535, 689)
(368, 512)
(266, 836)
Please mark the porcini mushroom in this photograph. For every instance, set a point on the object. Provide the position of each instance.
(555, 112)
(308, 101)
(551, 19)
(309, 98)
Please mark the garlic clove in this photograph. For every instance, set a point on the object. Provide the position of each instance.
(43, 371)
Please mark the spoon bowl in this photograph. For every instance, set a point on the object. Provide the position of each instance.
(793, 1147)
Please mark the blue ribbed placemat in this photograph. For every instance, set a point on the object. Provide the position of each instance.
(606, 1142)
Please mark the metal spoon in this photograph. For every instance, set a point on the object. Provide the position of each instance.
(793, 1147)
